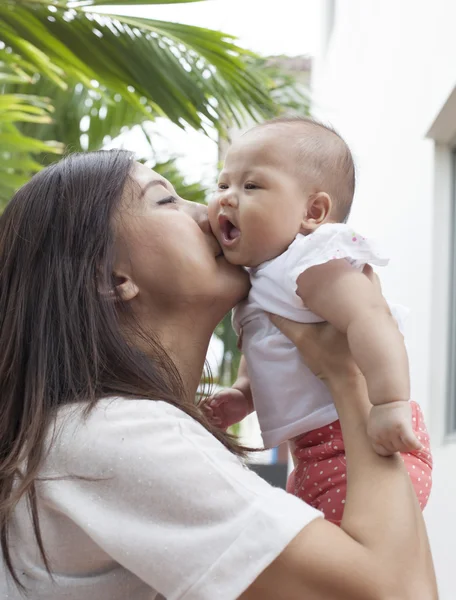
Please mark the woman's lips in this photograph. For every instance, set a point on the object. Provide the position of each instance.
(230, 234)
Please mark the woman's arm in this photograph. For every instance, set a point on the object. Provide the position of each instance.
(347, 299)
(381, 551)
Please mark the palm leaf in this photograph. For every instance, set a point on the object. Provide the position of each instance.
(106, 73)
(94, 3)
(17, 148)
(285, 90)
(194, 192)
(84, 119)
(191, 75)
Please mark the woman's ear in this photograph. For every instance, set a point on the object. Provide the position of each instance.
(319, 208)
(124, 288)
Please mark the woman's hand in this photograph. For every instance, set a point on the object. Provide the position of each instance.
(324, 349)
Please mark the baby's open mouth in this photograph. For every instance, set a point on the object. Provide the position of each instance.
(229, 231)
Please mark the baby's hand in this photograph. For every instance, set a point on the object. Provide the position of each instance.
(226, 408)
(390, 428)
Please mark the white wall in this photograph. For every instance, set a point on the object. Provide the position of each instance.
(381, 80)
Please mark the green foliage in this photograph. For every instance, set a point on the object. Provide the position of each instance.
(16, 148)
(194, 192)
(189, 74)
(63, 66)
(288, 94)
(231, 357)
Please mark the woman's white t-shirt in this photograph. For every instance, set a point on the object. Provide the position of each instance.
(164, 511)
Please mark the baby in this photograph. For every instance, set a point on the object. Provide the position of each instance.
(283, 200)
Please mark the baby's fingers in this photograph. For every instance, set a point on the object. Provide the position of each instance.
(399, 441)
(219, 398)
(410, 442)
(383, 449)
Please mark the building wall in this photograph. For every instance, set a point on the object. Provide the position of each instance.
(383, 74)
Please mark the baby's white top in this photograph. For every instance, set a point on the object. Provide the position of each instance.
(288, 398)
(164, 511)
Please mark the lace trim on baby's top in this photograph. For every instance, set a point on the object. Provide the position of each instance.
(332, 241)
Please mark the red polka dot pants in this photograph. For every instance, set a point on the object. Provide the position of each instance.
(319, 477)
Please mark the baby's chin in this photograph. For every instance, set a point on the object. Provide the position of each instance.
(234, 258)
(243, 255)
(241, 259)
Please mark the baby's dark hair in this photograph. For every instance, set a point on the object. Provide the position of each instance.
(324, 156)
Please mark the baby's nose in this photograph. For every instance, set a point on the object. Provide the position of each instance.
(228, 199)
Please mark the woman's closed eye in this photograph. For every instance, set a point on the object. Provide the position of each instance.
(167, 200)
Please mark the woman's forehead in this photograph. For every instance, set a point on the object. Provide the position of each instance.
(140, 184)
(142, 180)
(144, 176)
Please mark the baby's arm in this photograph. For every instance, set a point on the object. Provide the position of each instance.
(231, 405)
(346, 298)
(243, 382)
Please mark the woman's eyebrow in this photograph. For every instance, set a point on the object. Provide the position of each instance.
(153, 183)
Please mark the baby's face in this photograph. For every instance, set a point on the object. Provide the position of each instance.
(260, 204)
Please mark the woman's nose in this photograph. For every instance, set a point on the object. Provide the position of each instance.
(199, 213)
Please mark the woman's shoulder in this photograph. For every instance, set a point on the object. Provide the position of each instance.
(115, 429)
(110, 414)
(117, 410)
(164, 498)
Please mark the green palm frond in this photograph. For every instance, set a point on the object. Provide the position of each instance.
(105, 72)
(83, 118)
(94, 3)
(195, 192)
(17, 148)
(189, 74)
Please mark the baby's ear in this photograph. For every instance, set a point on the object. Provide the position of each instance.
(319, 208)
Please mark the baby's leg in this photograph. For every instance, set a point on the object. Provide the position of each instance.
(419, 464)
(319, 477)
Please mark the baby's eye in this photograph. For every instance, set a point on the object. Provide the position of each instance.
(167, 200)
(222, 186)
(251, 186)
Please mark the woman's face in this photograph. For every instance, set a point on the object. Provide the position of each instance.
(165, 244)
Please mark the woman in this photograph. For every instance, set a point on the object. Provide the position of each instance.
(112, 484)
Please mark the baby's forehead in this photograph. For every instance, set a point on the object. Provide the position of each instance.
(266, 145)
(271, 135)
(307, 146)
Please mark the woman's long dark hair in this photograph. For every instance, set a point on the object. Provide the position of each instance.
(60, 338)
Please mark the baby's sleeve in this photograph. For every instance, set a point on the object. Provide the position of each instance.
(171, 504)
(331, 242)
